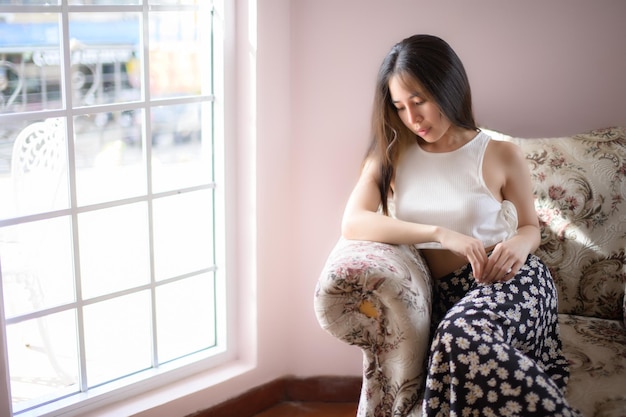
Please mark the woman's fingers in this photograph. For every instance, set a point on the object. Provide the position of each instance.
(477, 258)
(502, 265)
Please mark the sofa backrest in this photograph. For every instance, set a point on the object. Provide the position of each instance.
(580, 197)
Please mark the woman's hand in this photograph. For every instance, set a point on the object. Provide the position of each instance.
(506, 259)
(468, 247)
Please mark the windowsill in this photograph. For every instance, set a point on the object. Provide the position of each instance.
(176, 399)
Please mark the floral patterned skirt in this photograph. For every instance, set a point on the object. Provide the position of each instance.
(496, 349)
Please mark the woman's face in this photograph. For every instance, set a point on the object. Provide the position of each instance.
(417, 110)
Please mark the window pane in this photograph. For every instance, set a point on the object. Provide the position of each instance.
(181, 153)
(37, 156)
(183, 233)
(105, 58)
(37, 268)
(109, 156)
(177, 54)
(30, 76)
(173, 2)
(117, 337)
(185, 317)
(8, 133)
(43, 359)
(30, 2)
(105, 2)
(114, 253)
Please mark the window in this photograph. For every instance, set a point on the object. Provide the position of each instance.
(111, 234)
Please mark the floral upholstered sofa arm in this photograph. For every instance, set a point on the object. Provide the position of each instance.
(377, 296)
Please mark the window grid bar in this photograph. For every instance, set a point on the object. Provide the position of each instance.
(68, 105)
(99, 206)
(94, 300)
(102, 108)
(145, 68)
(95, 8)
(213, 194)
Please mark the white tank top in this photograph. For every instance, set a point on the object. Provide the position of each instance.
(448, 190)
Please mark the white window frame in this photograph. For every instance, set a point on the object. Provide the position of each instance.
(225, 229)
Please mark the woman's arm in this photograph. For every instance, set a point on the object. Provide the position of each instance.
(508, 159)
(362, 221)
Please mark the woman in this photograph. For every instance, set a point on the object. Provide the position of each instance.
(467, 202)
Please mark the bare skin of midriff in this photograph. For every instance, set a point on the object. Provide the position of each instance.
(441, 262)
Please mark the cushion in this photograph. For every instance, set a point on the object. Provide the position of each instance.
(596, 352)
(580, 188)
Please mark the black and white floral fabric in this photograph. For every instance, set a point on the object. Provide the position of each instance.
(497, 350)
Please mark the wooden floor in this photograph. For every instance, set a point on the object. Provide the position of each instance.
(323, 396)
(308, 409)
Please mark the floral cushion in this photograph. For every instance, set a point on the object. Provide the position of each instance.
(596, 351)
(580, 189)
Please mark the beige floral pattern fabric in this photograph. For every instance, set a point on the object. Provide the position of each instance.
(596, 350)
(580, 189)
(378, 296)
(394, 281)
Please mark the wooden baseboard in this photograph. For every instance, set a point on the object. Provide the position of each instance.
(312, 389)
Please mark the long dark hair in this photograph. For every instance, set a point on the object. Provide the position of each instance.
(430, 61)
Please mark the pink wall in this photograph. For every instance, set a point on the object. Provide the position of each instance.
(537, 69)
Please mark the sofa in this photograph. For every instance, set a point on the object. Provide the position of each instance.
(377, 296)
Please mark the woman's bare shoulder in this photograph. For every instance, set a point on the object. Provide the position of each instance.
(505, 152)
